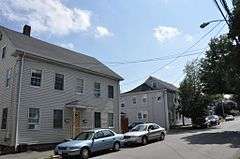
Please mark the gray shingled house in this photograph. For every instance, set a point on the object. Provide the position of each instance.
(49, 93)
(153, 101)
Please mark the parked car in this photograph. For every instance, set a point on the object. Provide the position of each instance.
(132, 125)
(229, 118)
(143, 133)
(90, 141)
(213, 119)
(201, 122)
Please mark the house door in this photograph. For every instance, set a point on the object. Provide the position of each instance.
(77, 123)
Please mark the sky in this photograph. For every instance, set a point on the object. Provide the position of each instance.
(120, 33)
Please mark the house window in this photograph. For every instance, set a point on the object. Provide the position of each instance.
(97, 89)
(4, 118)
(154, 85)
(4, 50)
(110, 119)
(139, 115)
(57, 119)
(134, 100)
(36, 76)
(33, 118)
(59, 81)
(110, 91)
(8, 77)
(145, 115)
(122, 105)
(97, 119)
(144, 98)
(79, 85)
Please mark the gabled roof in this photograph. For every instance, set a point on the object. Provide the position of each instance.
(146, 86)
(49, 51)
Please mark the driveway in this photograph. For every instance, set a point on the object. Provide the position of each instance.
(222, 142)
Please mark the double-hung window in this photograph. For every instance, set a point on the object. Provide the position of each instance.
(79, 85)
(57, 119)
(33, 118)
(134, 100)
(59, 81)
(8, 77)
(110, 91)
(97, 89)
(110, 120)
(36, 77)
(4, 50)
(4, 118)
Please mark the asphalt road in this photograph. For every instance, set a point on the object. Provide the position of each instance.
(222, 142)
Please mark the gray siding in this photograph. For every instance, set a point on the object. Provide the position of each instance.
(8, 95)
(154, 107)
(47, 99)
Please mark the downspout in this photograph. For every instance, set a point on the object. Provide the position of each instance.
(19, 84)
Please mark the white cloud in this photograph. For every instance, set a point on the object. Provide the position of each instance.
(188, 38)
(164, 33)
(67, 45)
(47, 15)
(102, 32)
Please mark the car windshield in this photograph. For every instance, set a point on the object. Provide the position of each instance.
(84, 136)
(139, 128)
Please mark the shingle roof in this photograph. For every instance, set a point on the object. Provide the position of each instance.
(46, 50)
(163, 84)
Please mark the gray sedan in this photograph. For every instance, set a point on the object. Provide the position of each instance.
(143, 133)
(90, 141)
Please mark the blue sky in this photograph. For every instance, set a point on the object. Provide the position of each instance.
(120, 31)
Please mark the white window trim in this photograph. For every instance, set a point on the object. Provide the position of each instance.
(135, 100)
(9, 82)
(113, 120)
(31, 78)
(96, 90)
(33, 123)
(79, 93)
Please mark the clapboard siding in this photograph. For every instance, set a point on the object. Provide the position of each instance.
(8, 95)
(47, 99)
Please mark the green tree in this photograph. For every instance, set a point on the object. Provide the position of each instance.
(193, 103)
(234, 31)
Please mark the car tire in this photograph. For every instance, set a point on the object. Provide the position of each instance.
(144, 140)
(116, 146)
(85, 153)
(162, 136)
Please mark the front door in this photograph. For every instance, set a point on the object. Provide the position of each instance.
(77, 122)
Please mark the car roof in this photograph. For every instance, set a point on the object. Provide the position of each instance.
(96, 130)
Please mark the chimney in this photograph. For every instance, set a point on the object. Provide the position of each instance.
(27, 30)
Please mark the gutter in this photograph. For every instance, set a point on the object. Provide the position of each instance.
(19, 86)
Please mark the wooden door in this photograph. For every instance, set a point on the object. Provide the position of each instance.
(77, 123)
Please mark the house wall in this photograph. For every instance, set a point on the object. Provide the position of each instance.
(8, 95)
(47, 99)
(156, 108)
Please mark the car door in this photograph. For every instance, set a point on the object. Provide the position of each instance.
(98, 141)
(150, 132)
(109, 138)
(157, 131)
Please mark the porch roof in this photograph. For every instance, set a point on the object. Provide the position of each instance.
(78, 104)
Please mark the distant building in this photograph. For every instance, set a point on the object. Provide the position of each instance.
(153, 101)
(48, 93)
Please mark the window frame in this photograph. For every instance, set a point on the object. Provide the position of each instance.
(97, 91)
(8, 78)
(134, 98)
(35, 123)
(77, 86)
(111, 124)
(56, 82)
(4, 121)
(32, 71)
(4, 51)
(54, 126)
(110, 91)
(100, 121)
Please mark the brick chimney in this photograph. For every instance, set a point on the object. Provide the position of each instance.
(27, 30)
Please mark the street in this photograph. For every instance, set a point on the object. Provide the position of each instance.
(222, 142)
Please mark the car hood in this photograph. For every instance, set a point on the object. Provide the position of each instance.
(135, 133)
(74, 143)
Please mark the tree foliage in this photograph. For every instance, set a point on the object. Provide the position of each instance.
(235, 20)
(193, 103)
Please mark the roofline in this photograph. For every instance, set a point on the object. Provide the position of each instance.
(141, 92)
(33, 55)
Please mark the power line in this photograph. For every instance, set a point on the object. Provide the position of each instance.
(195, 44)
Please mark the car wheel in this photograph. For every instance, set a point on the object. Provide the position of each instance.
(116, 146)
(84, 153)
(144, 140)
(162, 136)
